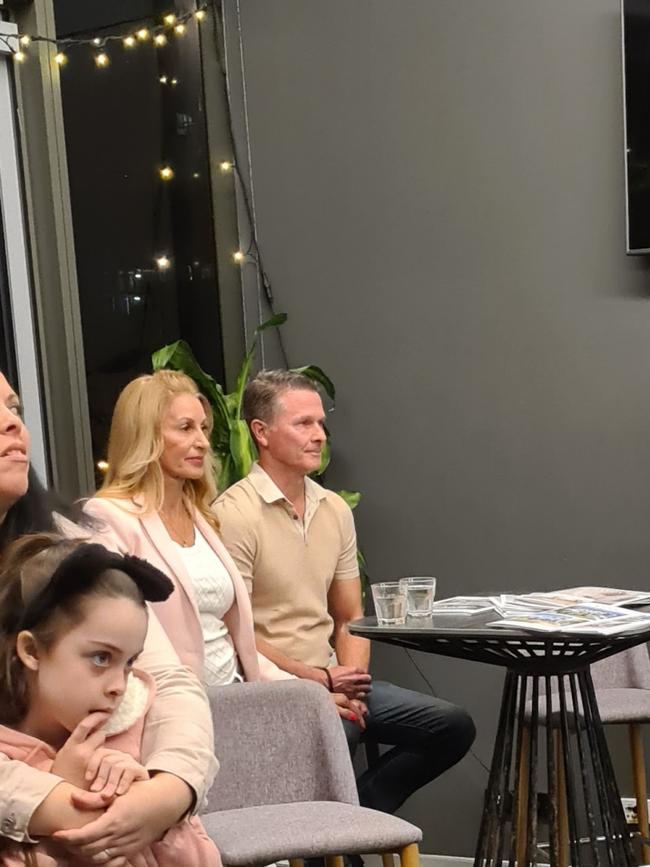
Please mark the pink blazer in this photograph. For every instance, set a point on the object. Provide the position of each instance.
(122, 528)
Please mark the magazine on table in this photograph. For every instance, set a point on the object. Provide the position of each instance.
(604, 595)
(537, 608)
(463, 605)
(583, 618)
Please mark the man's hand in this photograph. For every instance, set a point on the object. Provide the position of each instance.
(350, 709)
(351, 681)
(72, 759)
(111, 772)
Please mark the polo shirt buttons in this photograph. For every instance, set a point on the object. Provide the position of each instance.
(8, 824)
(294, 516)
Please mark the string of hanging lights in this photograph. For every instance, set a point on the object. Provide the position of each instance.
(155, 33)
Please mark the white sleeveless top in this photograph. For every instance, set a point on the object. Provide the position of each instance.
(214, 594)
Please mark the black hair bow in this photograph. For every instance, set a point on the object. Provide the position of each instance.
(79, 570)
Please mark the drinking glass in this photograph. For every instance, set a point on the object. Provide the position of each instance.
(420, 592)
(390, 603)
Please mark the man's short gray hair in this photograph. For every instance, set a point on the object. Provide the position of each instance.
(262, 392)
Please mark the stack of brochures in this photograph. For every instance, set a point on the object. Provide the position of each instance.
(601, 610)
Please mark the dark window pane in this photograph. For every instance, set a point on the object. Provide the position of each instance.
(144, 245)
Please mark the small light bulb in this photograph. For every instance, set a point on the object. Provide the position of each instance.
(163, 263)
(163, 79)
(129, 41)
(25, 40)
(166, 173)
(174, 82)
(20, 56)
(102, 60)
(97, 41)
(238, 257)
(180, 29)
(169, 19)
(225, 166)
(142, 34)
(160, 39)
(200, 14)
(102, 466)
(61, 58)
(195, 175)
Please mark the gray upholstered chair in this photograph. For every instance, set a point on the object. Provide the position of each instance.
(285, 787)
(622, 684)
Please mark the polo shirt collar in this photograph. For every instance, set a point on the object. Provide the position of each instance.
(270, 493)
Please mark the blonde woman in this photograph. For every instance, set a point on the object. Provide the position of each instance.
(155, 503)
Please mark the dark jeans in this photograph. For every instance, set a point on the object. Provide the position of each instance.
(427, 735)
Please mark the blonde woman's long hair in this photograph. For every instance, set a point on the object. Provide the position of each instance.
(136, 444)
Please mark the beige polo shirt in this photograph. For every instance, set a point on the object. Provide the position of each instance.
(288, 564)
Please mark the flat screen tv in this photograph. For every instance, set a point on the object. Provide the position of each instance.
(636, 84)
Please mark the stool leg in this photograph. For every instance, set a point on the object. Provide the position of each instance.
(562, 815)
(388, 859)
(409, 856)
(334, 861)
(640, 787)
(522, 798)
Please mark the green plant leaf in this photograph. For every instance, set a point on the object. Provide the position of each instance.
(226, 475)
(325, 457)
(240, 385)
(179, 356)
(276, 320)
(311, 371)
(242, 449)
(352, 498)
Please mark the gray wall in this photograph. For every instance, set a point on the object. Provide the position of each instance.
(439, 188)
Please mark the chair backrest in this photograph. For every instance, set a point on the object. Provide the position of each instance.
(278, 743)
(629, 669)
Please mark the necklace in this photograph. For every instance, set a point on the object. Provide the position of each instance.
(180, 530)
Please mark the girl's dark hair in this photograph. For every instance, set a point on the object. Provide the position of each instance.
(27, 565)
(34, 513)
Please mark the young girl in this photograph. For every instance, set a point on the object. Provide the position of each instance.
(72, 623)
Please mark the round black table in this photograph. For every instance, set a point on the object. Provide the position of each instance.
(550, 766)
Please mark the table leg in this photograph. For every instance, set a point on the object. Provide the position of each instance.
(617, 834)
(571, 763)
(493, 804)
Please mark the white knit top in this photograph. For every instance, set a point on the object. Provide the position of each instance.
(214, 594)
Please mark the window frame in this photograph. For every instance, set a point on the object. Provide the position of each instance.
(18, 303)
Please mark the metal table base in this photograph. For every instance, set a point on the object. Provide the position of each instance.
(551, 781)
(551, 771)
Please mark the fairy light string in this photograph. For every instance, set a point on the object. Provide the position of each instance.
(156, 33)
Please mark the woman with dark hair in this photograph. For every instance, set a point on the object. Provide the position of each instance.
(35, 511)
(177, 750)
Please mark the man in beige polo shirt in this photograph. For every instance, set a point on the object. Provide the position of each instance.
(295, 545)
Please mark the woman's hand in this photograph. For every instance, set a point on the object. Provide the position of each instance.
(72, 759)
(133, 821)
(350, 709)
(111, 772)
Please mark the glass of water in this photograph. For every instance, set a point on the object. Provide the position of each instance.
(420, 593)
(390, 603)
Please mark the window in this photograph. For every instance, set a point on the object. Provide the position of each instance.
(143, 236)
(18, 353)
